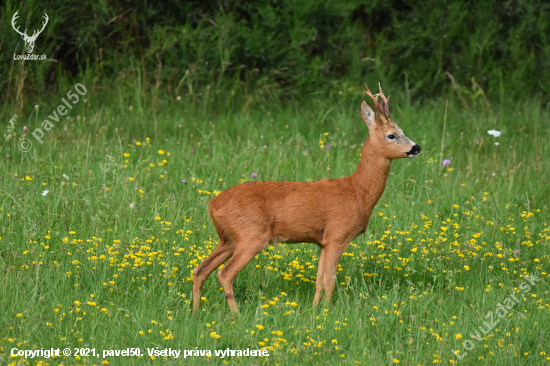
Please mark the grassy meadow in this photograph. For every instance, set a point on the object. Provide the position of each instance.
(102, 225)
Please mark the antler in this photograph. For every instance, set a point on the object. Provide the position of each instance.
(13, 24)
(382, 106)
(385, 103)
(373, 97)
(35, 35)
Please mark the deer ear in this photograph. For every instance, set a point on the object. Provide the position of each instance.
(367, 114)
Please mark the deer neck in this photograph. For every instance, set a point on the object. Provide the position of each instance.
(371, 175)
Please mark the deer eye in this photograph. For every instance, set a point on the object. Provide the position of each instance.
(392, 137)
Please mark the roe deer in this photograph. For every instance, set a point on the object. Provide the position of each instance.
(329, 212)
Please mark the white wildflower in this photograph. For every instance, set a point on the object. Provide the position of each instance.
(66, 176)
(494, 133)
(45, 193)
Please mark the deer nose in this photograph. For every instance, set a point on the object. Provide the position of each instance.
(415, 150)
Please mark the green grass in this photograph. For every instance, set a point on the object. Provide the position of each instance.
(108, 252)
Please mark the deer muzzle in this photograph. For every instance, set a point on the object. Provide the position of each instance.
(414, 151)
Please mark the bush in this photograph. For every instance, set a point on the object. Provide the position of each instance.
(261, 49)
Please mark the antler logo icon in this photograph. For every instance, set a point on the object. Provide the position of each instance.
(29, 41)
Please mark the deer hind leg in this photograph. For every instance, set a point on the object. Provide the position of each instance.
(223, 251)
(332, 258)
(244, 253)
(320, 275)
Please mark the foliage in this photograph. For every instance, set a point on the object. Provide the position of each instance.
(260, 51)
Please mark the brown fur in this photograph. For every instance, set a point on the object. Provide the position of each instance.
(329, 212)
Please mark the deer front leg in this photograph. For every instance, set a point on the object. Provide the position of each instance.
(320, 274)
(332, 258)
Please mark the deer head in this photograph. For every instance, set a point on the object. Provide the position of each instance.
(29, 41)
(386, 136)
